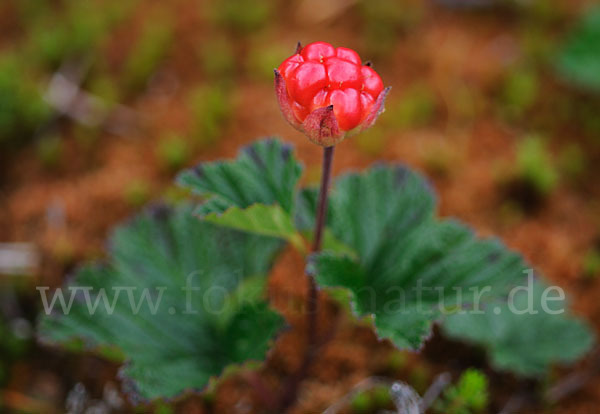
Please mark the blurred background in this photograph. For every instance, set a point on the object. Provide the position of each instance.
(102, 102)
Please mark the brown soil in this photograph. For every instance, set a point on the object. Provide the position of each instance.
(447, 50)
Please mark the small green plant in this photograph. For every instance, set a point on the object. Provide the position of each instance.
(538, 44)
(591, 264)
(172, 152)
(75, 30)
(439, 158)
(217, 57)
(104, 87)
(415, 108)
(535, 167)
(371, 401)
(572, 161)
(162, 408)
(383, 21)
(243, 16)
(137, 193)
(420, 377)
(469, 396)
(86, 138)
(263, 57)
(519, 92)
(396, 361)
(22, 109)
(12, 346)
(210, 108)
(372, 142)
(151, 48)
(49, 150)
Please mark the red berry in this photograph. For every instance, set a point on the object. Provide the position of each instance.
(347, 108)
(320, 76)
(343, 74)
(348, 54)
(318, 51)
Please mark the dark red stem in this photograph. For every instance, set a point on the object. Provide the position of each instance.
(290, 392)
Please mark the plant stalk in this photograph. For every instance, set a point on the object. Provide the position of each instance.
(290, 393)
(320, 219)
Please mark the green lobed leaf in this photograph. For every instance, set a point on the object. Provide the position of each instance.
(579, 60)
(264, 172)
(260, 219)
(411, 267)
(529, 343)
(190, 335)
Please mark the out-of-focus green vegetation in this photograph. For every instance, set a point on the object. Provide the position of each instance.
(572, 161)
(372, 141)
(22, 108)
(384, 20)
(11, 346)
(218, 58)
(149, 51)
(535, 166)
(210, 107)
(243, 16)
(52, 36)
(415, 107)
(172, 152)
(591, 263)
(137, 193)
(519, 92)
(78, 28)
(264, 57)
(49, 150)
(468, 396)
(372, 400)
(579, 60)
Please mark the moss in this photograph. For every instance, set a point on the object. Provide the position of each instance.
(172, 152)
(163, 408)
(371, 141)
(520, 90)
(469, 396)
(572, 161)
(381, 397)
(22, 109)
(243, 16)
(264, 57)
(397, 360)
(591, 264)
(420, 377)
(538, 45)
(86, 137)
(439, 158)
(137, 193)
(361, 403)
(415, 108)
(106, 88)
(384, 20)
(217, 58)
(148, 53)
(510, 213)
(78, 29)
(535, 166)
(210, 109)
(49, 150)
